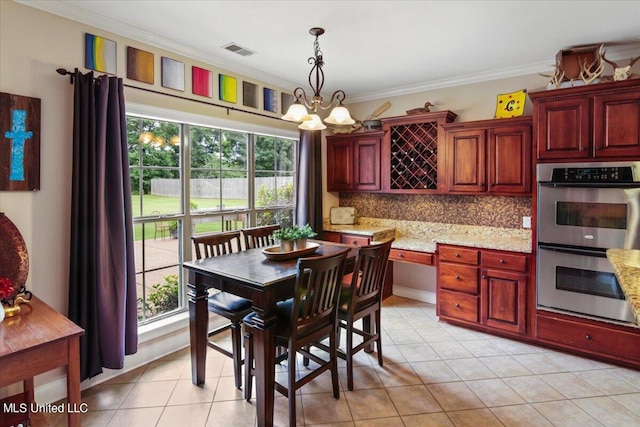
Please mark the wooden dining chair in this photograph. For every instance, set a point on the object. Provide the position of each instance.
(308, 317)
(259, 237)
(229, 306)
(361, 298)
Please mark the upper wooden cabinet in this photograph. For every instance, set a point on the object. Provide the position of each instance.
(413, 147)
(489, 156)
(588, 122)
(353, 162)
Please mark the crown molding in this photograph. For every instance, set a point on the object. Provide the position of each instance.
(102, 22)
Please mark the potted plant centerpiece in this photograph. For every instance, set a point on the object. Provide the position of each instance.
(286, 237)
(305, 232)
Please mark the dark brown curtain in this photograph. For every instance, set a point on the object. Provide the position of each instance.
(102, 287)
(309, 195)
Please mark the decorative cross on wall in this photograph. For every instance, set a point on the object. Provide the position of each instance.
(19, 143)
(19, 135)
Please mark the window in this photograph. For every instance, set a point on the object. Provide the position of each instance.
(190, 179)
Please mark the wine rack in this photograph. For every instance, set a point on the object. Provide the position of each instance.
(413, 153)
(414, 156)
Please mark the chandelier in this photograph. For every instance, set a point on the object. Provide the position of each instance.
(304, 110)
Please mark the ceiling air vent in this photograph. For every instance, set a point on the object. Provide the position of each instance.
(243, 51)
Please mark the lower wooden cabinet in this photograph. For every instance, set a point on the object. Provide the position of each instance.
(504, 300)
(483, 287)
(590, 337)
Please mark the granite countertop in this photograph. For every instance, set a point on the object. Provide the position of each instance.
(626, 264)
(424, 236)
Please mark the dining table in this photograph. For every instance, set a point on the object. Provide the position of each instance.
(264, 280)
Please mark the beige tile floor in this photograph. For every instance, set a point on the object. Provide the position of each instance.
(434, 374)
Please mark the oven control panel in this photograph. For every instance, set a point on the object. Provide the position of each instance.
(593, 174)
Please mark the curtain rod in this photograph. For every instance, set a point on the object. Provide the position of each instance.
(65, 72)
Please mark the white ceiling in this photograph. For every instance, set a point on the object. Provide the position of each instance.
(372, 49)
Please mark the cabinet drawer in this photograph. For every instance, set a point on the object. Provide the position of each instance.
(460, 255)
(602, 340)
(458, 306)
(350, 239)
(504, 261)
(411, 256)
(462, 278)
(331, 236)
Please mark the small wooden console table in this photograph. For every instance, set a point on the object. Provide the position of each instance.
(38, 340)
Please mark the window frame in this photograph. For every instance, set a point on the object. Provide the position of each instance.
(185, 218)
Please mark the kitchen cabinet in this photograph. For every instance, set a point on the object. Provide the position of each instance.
(489, 156)
(353, 162)
(614, 342)
(483, 287)
(600, 121)
(413, 153)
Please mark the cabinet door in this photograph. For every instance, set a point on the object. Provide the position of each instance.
(562, 128)
(466, 161)
(366, 164)
(616, 128)
(503, 300)
(339, 164)
(510, 160)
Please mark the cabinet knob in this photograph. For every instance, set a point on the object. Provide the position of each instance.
(484, 277)
(501, 261)
(354, 242)
(583, 149)
(587, 337)
(401, 255)
(599, 147)
(457, 277)
(457, 305)
(457, 255)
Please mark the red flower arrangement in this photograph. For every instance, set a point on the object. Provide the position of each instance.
(6, 288)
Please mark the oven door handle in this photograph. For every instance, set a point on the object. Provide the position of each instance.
(613, 185)
(574, 251)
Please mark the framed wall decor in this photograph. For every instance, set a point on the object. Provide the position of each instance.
(172, 73)
(100, 54)
(286, 99)
(249, 94)
(228, 88)
(140, 65)
(270, 100)
(19, 143)
(202, 82)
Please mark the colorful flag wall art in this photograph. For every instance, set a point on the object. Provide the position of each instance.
(228, 88)
(270, 100)
(140, 65)
(202, 81)
(172, 74)
(511, 104)
(100, 54)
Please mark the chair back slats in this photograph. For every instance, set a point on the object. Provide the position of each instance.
(317, 291)
(369, 272)
(216, 244)
(259, 237)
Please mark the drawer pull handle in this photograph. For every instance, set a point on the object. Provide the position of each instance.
(501, 261)
(457, 305)
(588, 337)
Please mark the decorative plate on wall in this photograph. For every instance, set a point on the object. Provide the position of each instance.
(14, 259)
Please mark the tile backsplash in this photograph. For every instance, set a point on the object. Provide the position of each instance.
(493, 211)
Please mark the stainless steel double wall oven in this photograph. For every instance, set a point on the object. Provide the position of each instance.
(583, 210)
